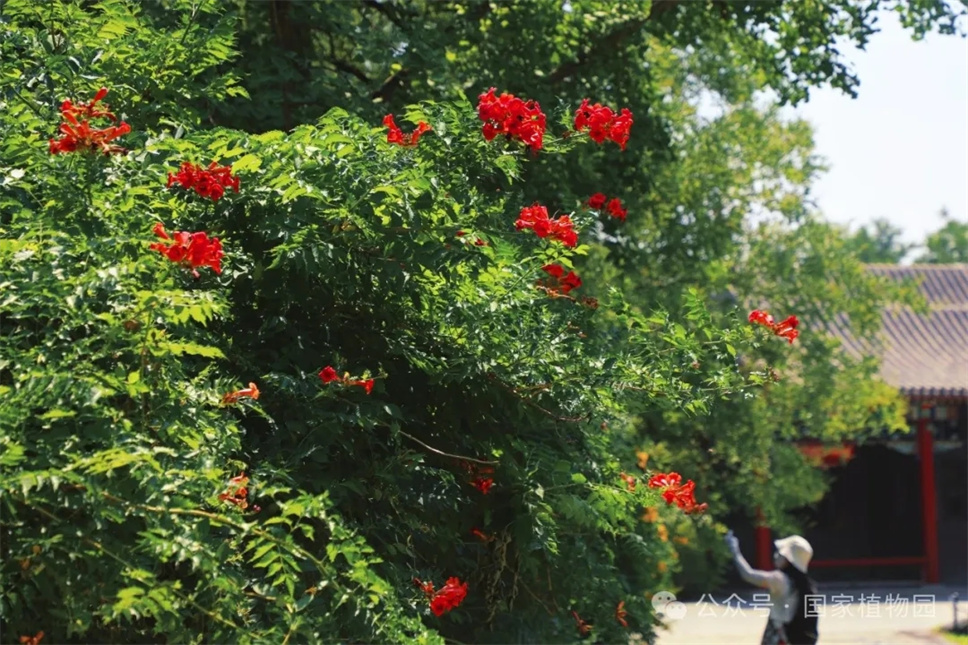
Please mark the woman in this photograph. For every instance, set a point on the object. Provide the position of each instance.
(789, 587)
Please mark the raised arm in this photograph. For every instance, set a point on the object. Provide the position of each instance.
(774, 581)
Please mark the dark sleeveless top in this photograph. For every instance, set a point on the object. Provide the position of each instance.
(802, 628)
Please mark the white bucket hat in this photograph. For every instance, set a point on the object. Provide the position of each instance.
(796, 550)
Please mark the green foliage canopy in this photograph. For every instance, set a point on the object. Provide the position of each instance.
(343, 250)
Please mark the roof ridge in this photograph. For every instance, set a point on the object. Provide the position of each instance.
(920, 351)
(921, 265)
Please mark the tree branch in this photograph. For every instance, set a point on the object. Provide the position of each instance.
(342, 65)
(611, 40)
(390, 85)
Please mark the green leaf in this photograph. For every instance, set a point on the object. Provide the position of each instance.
(248, 162)
(57, 414)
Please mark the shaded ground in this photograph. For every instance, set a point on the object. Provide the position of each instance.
(868, 615)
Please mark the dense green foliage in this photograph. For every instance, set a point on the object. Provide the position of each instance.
(947, 244)
(343, 250)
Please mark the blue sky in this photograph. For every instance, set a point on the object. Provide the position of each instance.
(900, 150)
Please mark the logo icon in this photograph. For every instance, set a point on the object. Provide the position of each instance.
(665, 604)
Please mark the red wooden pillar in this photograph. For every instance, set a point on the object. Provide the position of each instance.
(929, 508)
(764, 548)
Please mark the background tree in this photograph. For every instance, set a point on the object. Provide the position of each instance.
(948, 244)
(880, 242)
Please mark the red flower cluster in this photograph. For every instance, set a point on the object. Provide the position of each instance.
(665, 481)
(682, 495)
(536, 218)
(483, 484)
(513, 117)
(78, 134)
(190, 249)
(89, 110)
(603, 123)
(482, 536)
(328, 375)
(450, 596)
(613, 206)
(785, 329)
(252, 392)
(396, 135)
(481, 479)
(584, 628)
(620, 614)
(208, 182)
(238, 493)
(563, 282)
(32, 640)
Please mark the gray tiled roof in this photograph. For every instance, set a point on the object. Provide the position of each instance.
(922, 355)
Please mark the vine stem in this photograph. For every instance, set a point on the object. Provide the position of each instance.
(446, 454)
(540, 601)
(285, 641)
(533, 404)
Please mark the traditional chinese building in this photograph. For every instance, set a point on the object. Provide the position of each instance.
(898, 506)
